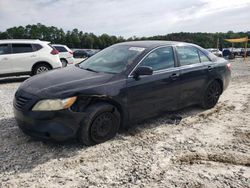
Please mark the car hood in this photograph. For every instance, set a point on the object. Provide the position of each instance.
(65, 82)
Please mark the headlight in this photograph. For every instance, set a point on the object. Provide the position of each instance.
(54, 104)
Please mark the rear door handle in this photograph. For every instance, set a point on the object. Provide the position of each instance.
(210, 68)
(5, 58)
(174, 76)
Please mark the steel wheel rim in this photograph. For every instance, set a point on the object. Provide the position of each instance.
(41, 70)
(213, 94)
(102, 127)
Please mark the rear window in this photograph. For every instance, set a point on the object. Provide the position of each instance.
(60, 49)
(21, 48)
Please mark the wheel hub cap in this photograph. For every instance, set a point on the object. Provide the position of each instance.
(41, 70)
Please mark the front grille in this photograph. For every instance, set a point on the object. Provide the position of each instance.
(21, 102)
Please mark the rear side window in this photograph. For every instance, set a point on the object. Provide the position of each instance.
(60, 49)
(4, 49)
(187, 55)
(21, 48)
(37, 47)
(159, 59)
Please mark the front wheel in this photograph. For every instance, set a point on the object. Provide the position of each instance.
(100, 124)
(212, 95)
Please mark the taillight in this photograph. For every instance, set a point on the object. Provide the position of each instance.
(71, 52)
(229, 66)
(54, 52)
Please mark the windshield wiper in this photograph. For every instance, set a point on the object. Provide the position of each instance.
(88, 69)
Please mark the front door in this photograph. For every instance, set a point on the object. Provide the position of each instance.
(149, 95)
(22, 57)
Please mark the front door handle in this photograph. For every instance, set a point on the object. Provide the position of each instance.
(210, 68)
(174, 76)
(5, 58)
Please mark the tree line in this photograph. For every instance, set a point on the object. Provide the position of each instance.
(80, 39)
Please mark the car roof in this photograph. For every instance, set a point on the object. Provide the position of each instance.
(153, 43)
(23, 41)
(58, 45)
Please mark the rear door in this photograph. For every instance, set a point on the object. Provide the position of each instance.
(153, 94)
(193, 74)
(5, 64)
(23, 57)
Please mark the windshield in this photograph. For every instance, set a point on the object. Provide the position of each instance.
(112, 60)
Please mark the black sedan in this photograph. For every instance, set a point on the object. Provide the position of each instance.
(84, 53)
(121, 85)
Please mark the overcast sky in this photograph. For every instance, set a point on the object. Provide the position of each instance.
(129, 17)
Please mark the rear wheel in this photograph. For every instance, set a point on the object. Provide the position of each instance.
(100, 124)
(212, 95)
(64, 62)
(41, 68)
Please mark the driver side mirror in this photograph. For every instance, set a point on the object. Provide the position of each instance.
(142, 70)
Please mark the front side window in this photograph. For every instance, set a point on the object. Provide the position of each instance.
(113, 59)
(4, 49)
(203, 57)
(187, 55)
(21, 48)
(159, 59)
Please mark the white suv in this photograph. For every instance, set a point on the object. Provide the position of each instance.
(21, 57)
(65, 54)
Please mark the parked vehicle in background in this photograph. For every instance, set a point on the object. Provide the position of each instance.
(121, 85)
(27, 57)
(231, 53)
(81, 54)
(65, 54)
(84, 53)
(226, 53)
(215, 51)
(236, 51)
(242, 52)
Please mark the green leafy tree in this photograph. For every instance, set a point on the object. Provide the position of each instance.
(78, 39)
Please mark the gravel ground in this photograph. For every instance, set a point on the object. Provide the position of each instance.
(205, 149)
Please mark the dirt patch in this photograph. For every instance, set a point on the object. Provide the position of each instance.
(226, 157)
(247, 105)
(242, 136)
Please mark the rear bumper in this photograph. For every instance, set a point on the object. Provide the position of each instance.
(56, 64)
(58, 125)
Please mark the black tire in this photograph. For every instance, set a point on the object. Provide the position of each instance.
(41, 68)
(64, 62)
(101, 123)
(212, 95)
